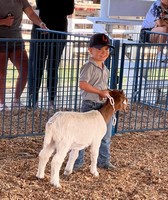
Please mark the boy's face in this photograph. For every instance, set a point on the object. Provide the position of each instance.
(101, 54)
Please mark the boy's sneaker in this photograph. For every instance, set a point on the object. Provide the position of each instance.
(161, 57)
(108, 166)
(77, 167)
(3, 107)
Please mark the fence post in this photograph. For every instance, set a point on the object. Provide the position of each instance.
(114, 72)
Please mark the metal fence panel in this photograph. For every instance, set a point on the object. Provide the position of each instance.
(145, 80)
(31, 120)
(133, 68)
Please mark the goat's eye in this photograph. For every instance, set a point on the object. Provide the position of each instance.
(125, 102)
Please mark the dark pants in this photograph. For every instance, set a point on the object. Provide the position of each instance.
(47, 53)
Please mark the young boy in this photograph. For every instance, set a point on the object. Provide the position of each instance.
(93, 83)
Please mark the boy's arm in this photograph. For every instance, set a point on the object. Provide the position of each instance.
(91, 89)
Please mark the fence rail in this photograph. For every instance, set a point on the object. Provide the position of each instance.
(144, 77)
(133, 68)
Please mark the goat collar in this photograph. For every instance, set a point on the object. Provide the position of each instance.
(111, 99)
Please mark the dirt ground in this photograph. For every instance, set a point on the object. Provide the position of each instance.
(141, 174)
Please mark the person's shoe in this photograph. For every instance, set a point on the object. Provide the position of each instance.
(161, 57)
(51, 105)
(35, 106)
(77, 167)
(108, 166)
(17, 105)
(3, 107)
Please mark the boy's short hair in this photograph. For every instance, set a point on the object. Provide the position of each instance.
(99, 40)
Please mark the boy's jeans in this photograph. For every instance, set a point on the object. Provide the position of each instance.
(104, 151)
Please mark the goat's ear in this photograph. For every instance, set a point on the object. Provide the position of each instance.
(122, 92)
(125, 102)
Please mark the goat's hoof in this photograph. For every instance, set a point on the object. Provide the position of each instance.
(56, 184)
(67, 172)
(96, 173)
(40, 176)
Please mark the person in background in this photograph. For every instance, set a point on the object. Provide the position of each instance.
(55, 18)
(11, 13)
(93, 83)
(156, 20)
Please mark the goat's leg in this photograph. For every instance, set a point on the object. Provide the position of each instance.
(94, 156)
(44, 156)
(56, 164)
(71, 160)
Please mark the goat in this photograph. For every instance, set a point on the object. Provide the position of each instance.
(72, 131)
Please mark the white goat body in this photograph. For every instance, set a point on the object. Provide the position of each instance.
(76, 128)
(71, 131)
(74, 131)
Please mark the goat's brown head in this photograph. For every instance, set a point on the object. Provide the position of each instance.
(120, 100)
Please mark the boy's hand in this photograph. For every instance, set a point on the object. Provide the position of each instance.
(103, 94)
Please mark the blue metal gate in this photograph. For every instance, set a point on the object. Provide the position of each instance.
(133, 68)
(144, 78)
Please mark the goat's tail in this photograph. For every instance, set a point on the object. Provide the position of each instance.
(48, 135)
(49, 129)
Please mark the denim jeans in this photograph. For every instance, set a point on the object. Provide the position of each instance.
(104, 151)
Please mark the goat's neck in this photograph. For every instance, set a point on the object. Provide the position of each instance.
(107, 111)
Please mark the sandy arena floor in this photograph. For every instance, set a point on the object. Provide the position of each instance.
(141, 174)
